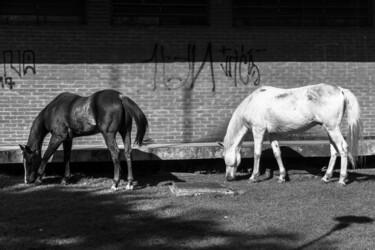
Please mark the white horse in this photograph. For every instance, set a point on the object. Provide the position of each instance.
(275, 110)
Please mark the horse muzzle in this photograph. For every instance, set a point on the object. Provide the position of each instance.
(230, 176)
(30, 180)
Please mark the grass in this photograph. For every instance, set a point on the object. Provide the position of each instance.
(301, 214)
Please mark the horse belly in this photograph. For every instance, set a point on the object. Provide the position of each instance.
(83, 121)
(289, 122)
(86, 129)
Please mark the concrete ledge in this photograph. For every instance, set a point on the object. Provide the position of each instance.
(187, 151)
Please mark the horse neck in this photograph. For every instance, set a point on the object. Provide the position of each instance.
(235, 132)
(37, 133)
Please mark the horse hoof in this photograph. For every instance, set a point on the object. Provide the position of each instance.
(129, 187)
(325, 180)
(342, 183)
(64, 182)
(114, 188)
(253, 180)
(38, 182)
(281, 180)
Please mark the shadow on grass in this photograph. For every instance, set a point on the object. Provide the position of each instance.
(79, 171)
(293, 160)
(52, 216)
(56, 217)
(343, 222)
(360, 177)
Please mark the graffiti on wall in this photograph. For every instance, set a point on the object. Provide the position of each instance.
(238, 64)
(159, 56)
(20, 63)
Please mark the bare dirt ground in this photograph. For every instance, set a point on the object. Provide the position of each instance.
(303, 213)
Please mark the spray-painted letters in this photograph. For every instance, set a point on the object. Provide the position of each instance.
(159, 56)
(239, 64)
(20, 63)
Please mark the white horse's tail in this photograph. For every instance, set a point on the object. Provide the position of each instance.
(355, 124)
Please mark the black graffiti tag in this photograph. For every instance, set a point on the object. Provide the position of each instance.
(159, 57)
(240, 65)
(13, 61)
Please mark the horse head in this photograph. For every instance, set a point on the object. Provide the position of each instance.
(31, 162)
(232, 158)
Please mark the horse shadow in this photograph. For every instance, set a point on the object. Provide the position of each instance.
(359, 177)
(295, 162)
(268, 168)
(342, 223)
(150, 171)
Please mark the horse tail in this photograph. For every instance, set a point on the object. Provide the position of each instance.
(139, 117)
(355, 124)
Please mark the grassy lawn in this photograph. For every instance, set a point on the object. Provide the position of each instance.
(301, 214)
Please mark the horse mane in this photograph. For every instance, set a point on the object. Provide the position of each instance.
(37, 132)
(235, 125)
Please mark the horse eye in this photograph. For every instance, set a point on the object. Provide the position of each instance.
(30, 160)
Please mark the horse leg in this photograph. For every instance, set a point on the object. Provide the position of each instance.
(342, 147)
(331, 164)
(67, 144)
(110, 140)
(127, 152)
(53, 145)
(277, 153)
(258, 140)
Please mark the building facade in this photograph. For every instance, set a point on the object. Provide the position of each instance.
(187, 64)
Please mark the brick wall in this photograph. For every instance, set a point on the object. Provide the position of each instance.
(187, 80)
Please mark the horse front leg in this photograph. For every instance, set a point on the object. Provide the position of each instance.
(67, 145)
(277, 153)
(53, 145)
(258, 140)
(110, 140)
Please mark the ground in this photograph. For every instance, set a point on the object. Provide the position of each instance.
(303, 213)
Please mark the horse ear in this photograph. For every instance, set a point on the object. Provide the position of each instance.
(26, 148)
(220, 144)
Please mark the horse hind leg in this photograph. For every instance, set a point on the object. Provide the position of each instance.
(110, 140)
(127, 152)
(331, 164)
(342, 147)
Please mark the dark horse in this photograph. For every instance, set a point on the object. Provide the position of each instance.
(70, 115)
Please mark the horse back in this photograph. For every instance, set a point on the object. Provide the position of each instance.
(73, 115)
(106, 103)
(295, 109)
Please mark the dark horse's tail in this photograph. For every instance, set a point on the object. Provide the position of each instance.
(139, 117)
